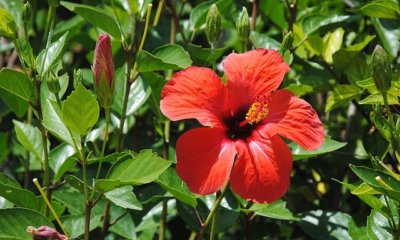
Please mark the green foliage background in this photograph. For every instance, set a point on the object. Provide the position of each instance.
(334, 193)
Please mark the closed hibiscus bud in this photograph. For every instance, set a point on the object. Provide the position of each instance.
(243, 26)
(26, 13)
(78, 77)
(103, 71)
(381, 71)
(53, 83)
(213, 24)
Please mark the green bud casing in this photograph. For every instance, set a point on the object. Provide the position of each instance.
(53, 83)
(287, 41)
(53, 3)
(213, 24)
(381, 71)
(243, 26)
(27, 12)
(78, 77)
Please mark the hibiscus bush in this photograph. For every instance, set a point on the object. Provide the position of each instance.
(220, 119)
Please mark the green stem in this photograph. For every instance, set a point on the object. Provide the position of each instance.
(212, 212)
(106, 221)
(123, 114)
(27, 159)
(213, 60)
(392, 124)
(88, 202)
(163, 220)
(46, 176)
(212, 233)
(164, 212)
(49, 23)
(243, 46)
(103, 148)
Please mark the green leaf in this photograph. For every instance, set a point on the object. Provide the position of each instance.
(378, 227)
(69, 200)
(332, 42)
(313, 22)
(97, 17)
(138, 94)
(124, 197)
(170, 181)
(380, 9)
(80, 110)
(166, 57)
(141, 169)
(357, 230)
(25, 51)
(8, 28)
(14, 221)
(344, 58)
(16, 104)
(364, 189)
(12, 191)
(377, 98)
(260, 40)
(30, 137)
(202, 56)
(370, 200)
(49, 56)
(74, 224)
(16, 83)
(342, 95)
(358, 70)
(60, 160)
(278, 15)
(76, 183)
(328, 146)
(275, 210)
(325, 225)
(126, 228)
(375, 144)
(53, 122)
(4, 146)
(389, 33)
(369, 175)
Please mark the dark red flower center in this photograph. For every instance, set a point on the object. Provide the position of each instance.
(244, 122)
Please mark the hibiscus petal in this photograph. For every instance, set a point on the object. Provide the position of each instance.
(262, 170)
(293, 118)
(194, 93)
(204, 159)
(254, 73)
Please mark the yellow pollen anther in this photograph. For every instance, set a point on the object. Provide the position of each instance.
(257, 112)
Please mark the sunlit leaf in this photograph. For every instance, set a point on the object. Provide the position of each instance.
(80, 111)
(328, 146)
(95, 16)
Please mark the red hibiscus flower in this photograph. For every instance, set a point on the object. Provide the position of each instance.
(245, 120)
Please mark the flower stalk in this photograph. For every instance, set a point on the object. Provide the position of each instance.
(48, 204)
(212, 213)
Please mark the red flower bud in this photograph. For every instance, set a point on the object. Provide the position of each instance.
(45, 232)
(103, 71)
(103, 60)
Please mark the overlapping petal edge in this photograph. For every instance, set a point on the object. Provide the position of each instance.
(205, 156)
